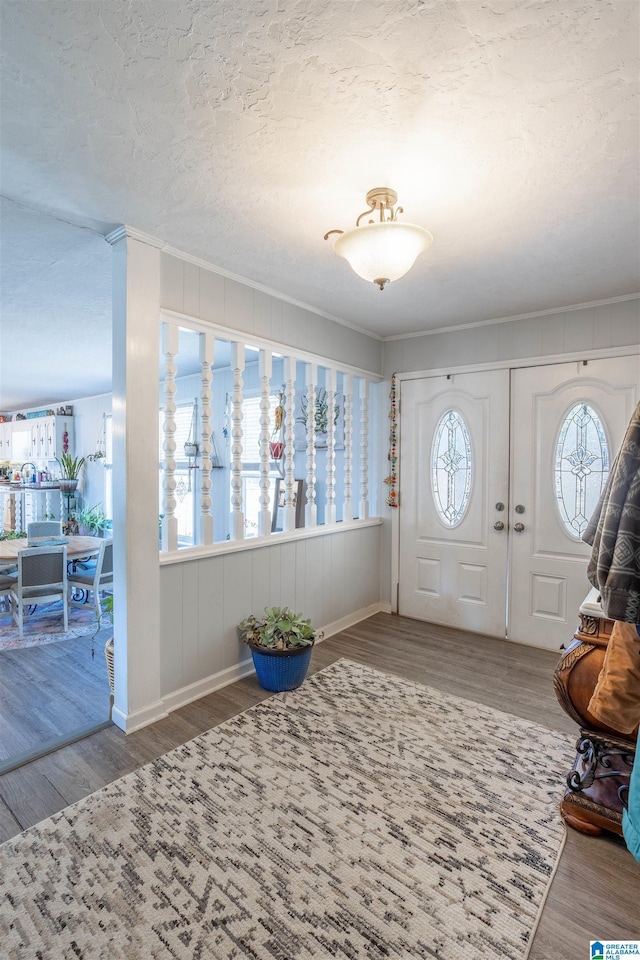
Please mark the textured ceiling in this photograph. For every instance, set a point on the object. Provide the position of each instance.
(241, 132)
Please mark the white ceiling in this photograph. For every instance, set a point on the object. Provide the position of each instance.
(242, 132)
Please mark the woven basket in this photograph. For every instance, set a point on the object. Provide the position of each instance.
(279, 670)
(108, 655)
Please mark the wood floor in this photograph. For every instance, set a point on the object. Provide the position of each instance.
(50, 690)
(595, 893)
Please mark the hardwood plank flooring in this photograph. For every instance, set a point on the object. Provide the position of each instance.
(595, 893)
(50, 690)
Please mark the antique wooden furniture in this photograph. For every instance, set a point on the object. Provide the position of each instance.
(598, 784)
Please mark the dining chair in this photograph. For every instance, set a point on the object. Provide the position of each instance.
(42, 578)
(44, 528)
(93, 576)
(6, 583)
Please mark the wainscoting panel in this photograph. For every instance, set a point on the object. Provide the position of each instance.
(328, 578)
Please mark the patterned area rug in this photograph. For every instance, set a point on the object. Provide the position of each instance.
(46, 626)
(361, 816)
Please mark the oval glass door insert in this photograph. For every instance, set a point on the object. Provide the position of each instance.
(581, 467)
(451, 468)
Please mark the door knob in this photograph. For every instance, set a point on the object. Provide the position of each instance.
(498, 525)
(518, 527)
(499, 506)
(519, 508)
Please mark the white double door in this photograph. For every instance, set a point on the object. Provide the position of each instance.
(499, 471)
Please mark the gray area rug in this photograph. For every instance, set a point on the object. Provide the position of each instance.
(361, 816)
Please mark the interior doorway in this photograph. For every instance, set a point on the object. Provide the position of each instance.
(500, 471)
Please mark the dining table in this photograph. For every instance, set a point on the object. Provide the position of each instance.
(77, 547)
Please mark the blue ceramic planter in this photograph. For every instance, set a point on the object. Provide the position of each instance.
(279, 670)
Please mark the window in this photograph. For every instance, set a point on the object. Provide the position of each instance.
(451, 468)
(581, 467)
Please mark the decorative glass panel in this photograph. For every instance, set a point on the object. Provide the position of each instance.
(451, 468)
(582, 467)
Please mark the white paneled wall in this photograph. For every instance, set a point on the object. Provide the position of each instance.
(592, 328)
(197, 292)
(327, 578)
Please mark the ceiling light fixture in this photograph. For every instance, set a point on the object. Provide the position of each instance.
(382, 250)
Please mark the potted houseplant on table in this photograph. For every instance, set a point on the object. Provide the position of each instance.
(70, 468)
(280, 642)
(92, 520)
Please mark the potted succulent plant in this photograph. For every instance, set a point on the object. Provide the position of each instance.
(70, 468)
(93, 521)
(280, 642)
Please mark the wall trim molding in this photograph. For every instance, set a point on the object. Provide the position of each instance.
(130, 722)
(223, 547)
(541, 360)
(510, 319)
(269, 291)
(227, 333)
(351, 619)
(133, 234)
(127, 231)
(201, 688)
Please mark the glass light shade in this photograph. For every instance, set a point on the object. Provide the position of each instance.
(383, 251)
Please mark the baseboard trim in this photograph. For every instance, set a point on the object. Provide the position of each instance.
(216, 681)
(130, 722)
(352, 618)
(201, 688)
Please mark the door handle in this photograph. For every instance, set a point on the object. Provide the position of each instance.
(518, 527)
(498, 525)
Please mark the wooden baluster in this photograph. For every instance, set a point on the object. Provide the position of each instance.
(312, 380)
(364, 449)
(330, 387)
(237, 516)
(265, 368)
(289, 482)
(347, 392)
(205, 526)
(170, 521)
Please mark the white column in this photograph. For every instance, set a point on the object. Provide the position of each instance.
(289, 482)
(237, 368)
(347, 392)
(364, 449)
(136, 349)
(330, 387)
(205, 525)
(265, 368)
(169, 520)
(311, 508)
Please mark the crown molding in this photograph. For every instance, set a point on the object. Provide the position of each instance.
(517, 316)
(134, 234)
(206, 265)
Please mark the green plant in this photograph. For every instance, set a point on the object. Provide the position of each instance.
(70, 467)
(107, 606)
(94, 519)
(321, 412)
(13, 535)
(279, 628)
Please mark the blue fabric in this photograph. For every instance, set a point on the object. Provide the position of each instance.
(631, 816)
